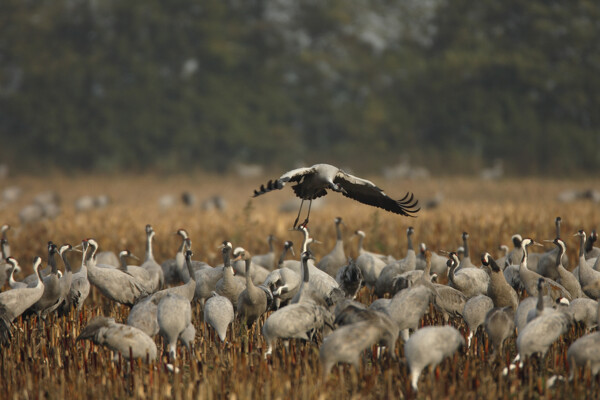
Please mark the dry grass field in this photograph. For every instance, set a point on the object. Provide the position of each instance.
(45, 361)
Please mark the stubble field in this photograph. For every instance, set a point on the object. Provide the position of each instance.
(45, 361)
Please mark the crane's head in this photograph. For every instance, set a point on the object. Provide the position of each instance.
(149, 229)
(465, 235)
(422, 247)
(410, 231)
(181, 232)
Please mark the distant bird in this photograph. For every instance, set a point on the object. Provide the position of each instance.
(428, 347)
(313, 182)
(361, 238)
(14, 302)
(157, 279)
(119, 338)
(266, 260)
(336, 258)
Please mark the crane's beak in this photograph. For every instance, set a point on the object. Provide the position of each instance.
(134, 257)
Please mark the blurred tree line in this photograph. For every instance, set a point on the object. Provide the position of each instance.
(110, 85)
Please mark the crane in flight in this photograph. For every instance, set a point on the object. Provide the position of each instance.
(313, 182)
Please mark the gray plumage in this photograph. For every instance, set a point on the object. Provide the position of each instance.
(228, 285)
(80, 285)
(470, 280)
(218, 313)
(174, 315)
(14, 302)
(51, 298)
(142, 275)
(546, 265)
(350, 279)
(537, 336)
(428, 347)
(584, 310)
(474, 312)
(258, 273)
(297, 319)
(253, 301)
(266, 260)
(284, 283)
(157, 279)
(525, 306)
(564, 277)
(336, 258)
(408, 306)
(371, 268)
(119, 338)
(206, 282)
(438, 263)
(587, 275)
(499, 325)
(499, 290)
(385, 277)
(313, 182)
(113, 283)
(530, 278)
(585, 351)
(360, 250)
(347, 343)
(143, 315)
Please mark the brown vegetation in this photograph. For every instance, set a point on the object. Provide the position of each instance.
(45, 361)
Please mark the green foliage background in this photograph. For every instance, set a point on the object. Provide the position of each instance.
(110, 85)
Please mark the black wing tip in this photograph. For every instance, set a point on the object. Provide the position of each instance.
(407, 205)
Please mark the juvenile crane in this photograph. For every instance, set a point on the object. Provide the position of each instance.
(313, 182)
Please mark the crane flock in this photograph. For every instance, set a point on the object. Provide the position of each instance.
(286, 299)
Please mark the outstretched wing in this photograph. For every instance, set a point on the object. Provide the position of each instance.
(291, 176)
(367, 192)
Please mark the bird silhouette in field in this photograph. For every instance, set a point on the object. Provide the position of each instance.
(313, 182)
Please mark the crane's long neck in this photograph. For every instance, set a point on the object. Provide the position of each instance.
(305, 278)
(123, 259)
(539, 308)
(305, 241)
(338, 232)
(466, 246)
(589, 243)
(409, 241)
(561, 253)
(52, 262)
(11, 278)
(361, 238)
(270, 241)
(188, 262)
(5, 249)
(282, 257)
(90, 261)
(66, 262)
(149, 254)
(582, 262)
(36, 268)
(524, 258)
(249, 282)
(558, 221)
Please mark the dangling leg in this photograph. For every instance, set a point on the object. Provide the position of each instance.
(298, 216)
(307, 215)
